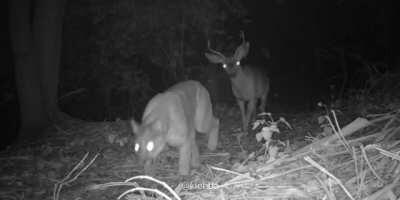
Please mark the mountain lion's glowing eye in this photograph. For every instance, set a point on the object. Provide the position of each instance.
(137, 147)
(150, 146)
(224, 65)
(237, 63)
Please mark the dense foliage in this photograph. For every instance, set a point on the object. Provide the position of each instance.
(136, 48)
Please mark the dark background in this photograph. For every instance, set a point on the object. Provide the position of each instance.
(293, 31)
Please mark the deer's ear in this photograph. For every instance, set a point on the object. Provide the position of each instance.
(134, 126)
(158, 125)
(213, 58)
(242, 51)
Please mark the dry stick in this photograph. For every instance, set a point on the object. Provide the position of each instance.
(315, 164)
(285, 158)
(349, 129)
(58, 186)
(340, 153)
(157, 181)
(369, 164)
(340, 130)
(228, 183)
(234, 180)
(391, 121)
(144, 189)
(82, 170)
(354, 178)
(231, 172)
(382, 151)
(284, 173)
(193, 195)
(390, 133)
(386, 189)
(110, 184)
(275, 164)
(339, 134)
(325, 187)
(363, 138)
(215, 154)
(239, 178)
(383, 118)
(356, 166)
(393, 144)
(233, 183)
(384, 134)
(362, 178)
(350, 161)
(354, 141)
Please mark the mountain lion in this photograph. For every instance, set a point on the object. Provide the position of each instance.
(172, 118)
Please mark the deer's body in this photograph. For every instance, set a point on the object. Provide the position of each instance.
(249, 83)
(248, 86)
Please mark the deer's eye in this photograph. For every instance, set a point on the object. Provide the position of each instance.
(150, 146)
(137, 146)
(224, 66)
(237, 63)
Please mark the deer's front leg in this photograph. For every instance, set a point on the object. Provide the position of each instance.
(263, 102)
(250, 110)
(243, 113)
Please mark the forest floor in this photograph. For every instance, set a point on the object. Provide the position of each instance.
(91, 160)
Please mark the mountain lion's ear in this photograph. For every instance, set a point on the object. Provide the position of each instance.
(135, 126)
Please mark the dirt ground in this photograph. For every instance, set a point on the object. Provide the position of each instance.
(104, 151)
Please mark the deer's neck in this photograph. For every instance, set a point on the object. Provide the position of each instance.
(241, 83)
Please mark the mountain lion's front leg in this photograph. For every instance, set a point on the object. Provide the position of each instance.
(149, 167)
(213, 134)
(184, 157)
(195, 157)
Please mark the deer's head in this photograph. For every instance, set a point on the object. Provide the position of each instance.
(230, 64)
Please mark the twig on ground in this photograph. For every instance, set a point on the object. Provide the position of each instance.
(364, 154)
(58, 186)
(315, 164)
(157, 181)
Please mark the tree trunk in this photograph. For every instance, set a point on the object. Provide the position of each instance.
(47, 29)
(36, 45)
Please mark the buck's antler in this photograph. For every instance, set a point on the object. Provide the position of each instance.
(242, 36)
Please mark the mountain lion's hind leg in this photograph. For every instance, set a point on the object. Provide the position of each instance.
(204, 121)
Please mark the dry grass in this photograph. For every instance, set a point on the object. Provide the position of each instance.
(358, 161)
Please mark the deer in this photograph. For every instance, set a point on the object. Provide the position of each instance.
(249, 84)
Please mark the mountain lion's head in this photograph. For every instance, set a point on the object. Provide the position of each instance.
(150, 139)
